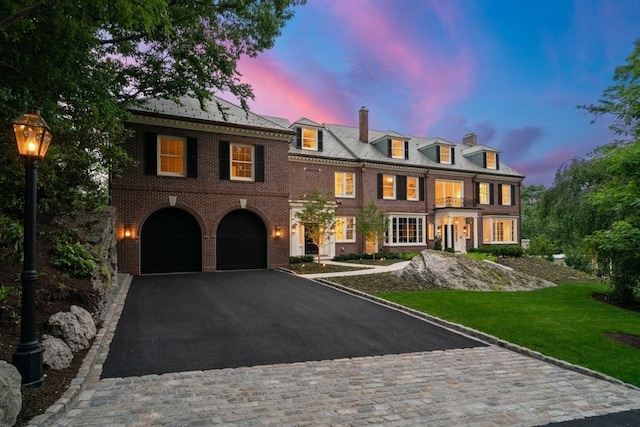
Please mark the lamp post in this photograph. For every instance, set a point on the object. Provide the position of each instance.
(33, 137)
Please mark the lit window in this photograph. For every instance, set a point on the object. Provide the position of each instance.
(506, 194)
(491, 160)
(412, 188)
(388, 187)
(397, 149)
(445, 154)
(345, 229)
(242, 162)
(449, 194)
(309, 139)
(500, 230)
(483, 193)
(405, 230)
(431, 231)
(171, 156)
(345, 184)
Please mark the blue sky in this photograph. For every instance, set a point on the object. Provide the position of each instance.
(512, 71)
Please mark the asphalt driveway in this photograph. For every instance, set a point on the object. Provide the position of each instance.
(200, 321)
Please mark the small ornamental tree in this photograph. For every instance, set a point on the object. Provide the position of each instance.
(318, 215)
(372, 223)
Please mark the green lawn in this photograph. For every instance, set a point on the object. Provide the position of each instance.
(564, 322)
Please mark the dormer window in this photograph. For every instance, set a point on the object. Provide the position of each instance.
(309, 138)
(491, 160)
(445, 155)
(397, 149)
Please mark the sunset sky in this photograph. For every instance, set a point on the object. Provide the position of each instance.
(512, 71)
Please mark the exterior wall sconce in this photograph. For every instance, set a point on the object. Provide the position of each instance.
(127, 233)
(294, 228)
(277, 232)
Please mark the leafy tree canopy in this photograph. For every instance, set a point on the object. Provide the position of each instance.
(85, 61)
(372, 222)
(318, 216)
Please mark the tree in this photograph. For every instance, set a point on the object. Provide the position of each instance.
(86, 61)
(372, 223)
(318, 216)
(532, 223)
(618, 241)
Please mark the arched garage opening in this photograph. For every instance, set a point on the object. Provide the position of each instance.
(241, 241)
(170, 242)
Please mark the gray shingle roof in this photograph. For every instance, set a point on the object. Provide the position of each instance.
(189, 108)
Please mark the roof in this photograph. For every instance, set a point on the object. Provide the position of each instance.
(189, 108)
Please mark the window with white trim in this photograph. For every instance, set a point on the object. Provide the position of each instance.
(397, 149)
(506, 194)
(484, 196)
(345, 184)
(445, 154)
(500, 230)
(449, 193)
(172, 156)
(413, 188)
(242, 162)
(491, 160)
(345, 229)
(309, 139)
(388, 187)
(406, 229)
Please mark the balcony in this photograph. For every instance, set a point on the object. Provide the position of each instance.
(451, 202)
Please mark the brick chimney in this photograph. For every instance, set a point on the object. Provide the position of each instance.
(364, 125)
(470, 140)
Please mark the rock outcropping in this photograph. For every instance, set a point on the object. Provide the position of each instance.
(75, 327)
(10, 396)
(448, 271)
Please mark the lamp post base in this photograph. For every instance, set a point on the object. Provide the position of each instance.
(28, 360)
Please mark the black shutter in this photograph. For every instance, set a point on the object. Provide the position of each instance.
(298, 137)
(401, 187)
(223, 151)
(421, 188)
(259, 164)
(438, 153)
(192, 157)
(484, 159)
(477, 193)
(150, 153)
(513, 195)
(379, 186)
(500, 194)
(389, 148)
(491, 194)
(453, 155)
(406, 150)
(497, 161)
(319, 139)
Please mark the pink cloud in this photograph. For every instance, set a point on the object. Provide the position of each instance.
(432, 76)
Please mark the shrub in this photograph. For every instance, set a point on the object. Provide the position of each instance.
(12, 238)
(301, 259)
(542, 246)
(507, 251)
(579, 260)
(72, 256)
(438, 244)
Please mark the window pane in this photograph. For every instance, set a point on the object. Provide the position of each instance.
(172, 156)
(349, 185)
(397, 149)
(241, 162)
(484, 193)
(338, 184)
(506, 194)
(445, 154)
(388, 187)
(309, 139)
(491, 160)
(412, 188)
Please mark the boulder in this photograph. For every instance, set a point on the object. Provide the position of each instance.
(56, 353)
(449, 271)
(10, 395)
(75, 327)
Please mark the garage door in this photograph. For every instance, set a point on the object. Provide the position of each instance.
(170, 242)
(241, 241)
